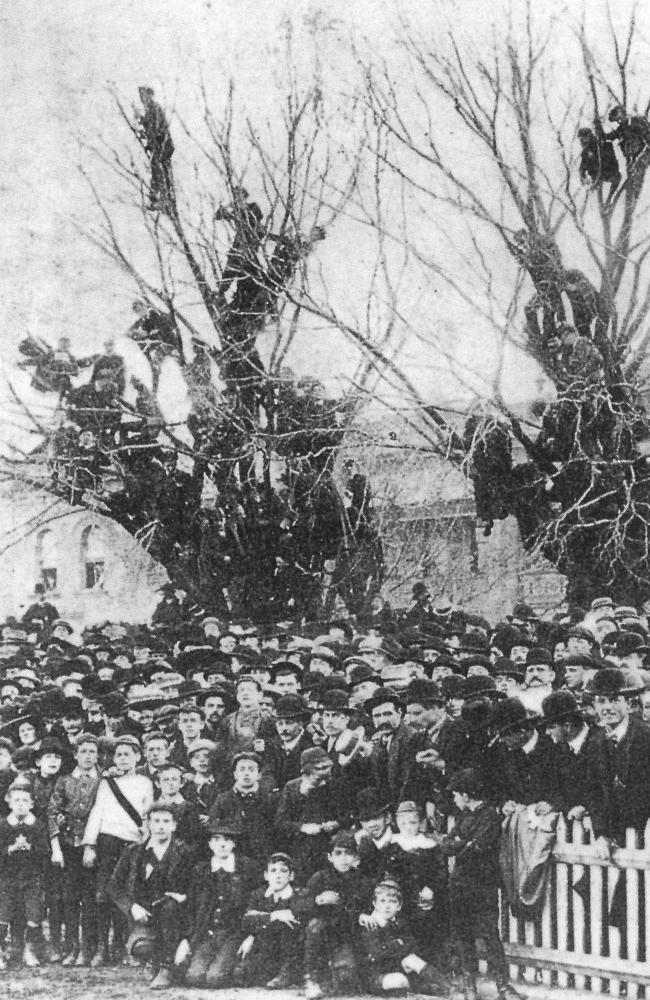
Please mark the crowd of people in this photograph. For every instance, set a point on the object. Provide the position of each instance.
(233, 804)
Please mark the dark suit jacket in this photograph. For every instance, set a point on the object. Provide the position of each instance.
(278, 766)
(218, 899)
(256, 814)
(403, 746)
(129, 883)
(527, 778)
(625, 771)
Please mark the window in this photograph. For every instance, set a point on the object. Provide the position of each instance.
(46, 559)
(94, 558)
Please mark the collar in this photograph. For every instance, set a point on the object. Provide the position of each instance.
(246, 795)
(286, 893)
(223, 866)
(386, 838)
(619, 732)
(530, 744)
(287, 747)
(78, 773)
(29, 820)
(159, 850)
(577, 743)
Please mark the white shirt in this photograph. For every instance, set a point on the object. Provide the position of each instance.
(619, 732)
(577, 743)
(283, 895)
(217, 865)
(530, 744)
(107, 815)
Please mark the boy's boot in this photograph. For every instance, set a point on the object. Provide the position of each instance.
(312, 990)
(32, 940)
(4, 930)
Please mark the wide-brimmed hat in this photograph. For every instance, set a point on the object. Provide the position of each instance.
(229, 827)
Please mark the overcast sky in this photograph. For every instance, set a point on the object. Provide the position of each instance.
(59, 61)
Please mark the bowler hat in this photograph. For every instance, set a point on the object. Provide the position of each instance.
(509, 716)
(628, 642)
(559, 706)
(230, 827)
(383, 697)
(314, 757)
(469, 781)
(480, 687)
(369, 805)
(609, 682)
(503, 667)
(538, 654)
(423, 692)
(291, 706)
(335, 700)
(49, 745)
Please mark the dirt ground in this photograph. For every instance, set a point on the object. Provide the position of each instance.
(52, 983)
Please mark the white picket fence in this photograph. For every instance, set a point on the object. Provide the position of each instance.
(572, 944)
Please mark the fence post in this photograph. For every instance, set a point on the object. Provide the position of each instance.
(562, 890)
(632, 910)
(579, 916)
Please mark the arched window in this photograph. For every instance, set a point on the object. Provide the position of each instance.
(47, 559)
(93, 553)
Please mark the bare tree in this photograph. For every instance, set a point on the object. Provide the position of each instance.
(235, 494)
(513, 208)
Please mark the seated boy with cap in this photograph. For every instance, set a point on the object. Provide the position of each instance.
(334, 899)
(150, 884)
(392, 963)
(219, 891)
(271, 953)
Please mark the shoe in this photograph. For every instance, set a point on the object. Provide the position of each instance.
(70, 959)
(3, 962)
(99, 959)
(30, 958)
(83, 961)
(163, 980)
(282, 981)
(54, 956)
(312, 991)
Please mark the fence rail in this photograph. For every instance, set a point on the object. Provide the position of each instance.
(596, 939)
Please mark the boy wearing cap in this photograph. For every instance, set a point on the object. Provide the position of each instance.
(48, 765)
(375, 836)
(392, 963)
(271, 952)
(150, 884)
(335, 897)
(24, 850)
(474, 883)
(115, 821)
(67, 813)
(201, 786)
(422, 874)
(219, 891)
(310, 810)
